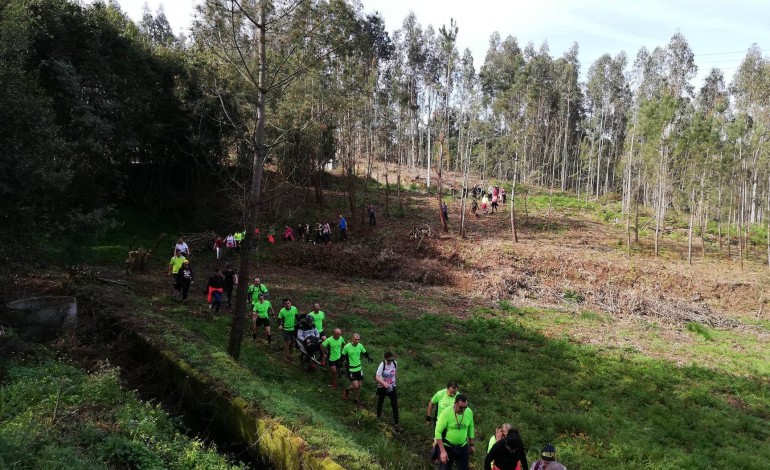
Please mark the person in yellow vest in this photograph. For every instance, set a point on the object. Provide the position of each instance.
(173, 268)
(454, 434)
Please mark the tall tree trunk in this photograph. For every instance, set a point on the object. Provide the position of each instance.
(692, 221)
(441, 138)
(255, 196)
(513, 210)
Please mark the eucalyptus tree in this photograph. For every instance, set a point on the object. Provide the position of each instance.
(751, 91)
(607, 105)
(260, 48)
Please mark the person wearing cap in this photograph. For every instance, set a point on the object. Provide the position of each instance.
(547, 460)
(454, 435)
(261, 317)
(507, 453)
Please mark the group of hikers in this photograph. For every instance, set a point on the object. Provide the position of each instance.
(489, 199)
(454, 430)
(447, 410)
(320, 232)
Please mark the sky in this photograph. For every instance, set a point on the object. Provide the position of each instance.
(719, 32)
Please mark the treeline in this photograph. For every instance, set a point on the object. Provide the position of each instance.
(98, 110)
(95, 112)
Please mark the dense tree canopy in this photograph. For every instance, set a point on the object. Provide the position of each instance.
(97, 111)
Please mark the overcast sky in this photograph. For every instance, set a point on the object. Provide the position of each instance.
(719, 32)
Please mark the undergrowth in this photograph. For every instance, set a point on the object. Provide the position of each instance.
(55, 416)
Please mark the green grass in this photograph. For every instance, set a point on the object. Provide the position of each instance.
(55, 416)
(601, 408)
(700, 330)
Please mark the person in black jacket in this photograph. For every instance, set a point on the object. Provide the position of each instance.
(507, 453)
(184, 278)
(214, 289)
(231, 280)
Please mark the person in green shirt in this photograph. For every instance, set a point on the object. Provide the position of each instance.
(256, 289)
(287, 321)
(333, 347)
(318, 317)
(173, 268)
(260, 317)
(442, 400)
(454, 435)
(352, 353)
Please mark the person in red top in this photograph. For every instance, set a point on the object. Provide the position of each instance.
(219, 245)
(288, 234)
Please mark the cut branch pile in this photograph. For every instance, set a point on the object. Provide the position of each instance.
(650, 304)
(200, 241)
(364, 261)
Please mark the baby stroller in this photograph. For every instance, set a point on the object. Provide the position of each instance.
(310, 355)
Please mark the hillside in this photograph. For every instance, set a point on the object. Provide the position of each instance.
(634, 362)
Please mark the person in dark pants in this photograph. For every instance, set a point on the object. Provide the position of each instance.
(231, 280)
(386, 386)
(184, 278)
(445, 212)
(372, 216)
(454, 435)
(215, 287)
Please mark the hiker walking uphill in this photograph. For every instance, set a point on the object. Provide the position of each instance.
(333, 346)
(352, 353)
(454, 434)
(287, 323)
(507, 453)
(547, 460)
(318, 317)
(386, 385)
(441, 400)
(261, 317)
(256, 289)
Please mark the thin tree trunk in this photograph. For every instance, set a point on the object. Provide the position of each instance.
(513, 210)
(239, 315)
(692, 221)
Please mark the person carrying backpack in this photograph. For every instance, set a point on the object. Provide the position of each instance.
(386, 386)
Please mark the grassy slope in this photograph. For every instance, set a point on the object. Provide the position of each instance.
(55, 416)
(602, 405)
(600, 408)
